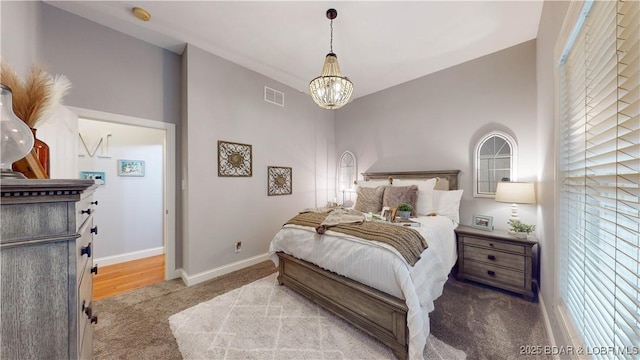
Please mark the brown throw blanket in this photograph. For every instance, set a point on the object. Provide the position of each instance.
(409, 243)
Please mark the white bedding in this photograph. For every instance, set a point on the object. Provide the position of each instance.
(380, 266)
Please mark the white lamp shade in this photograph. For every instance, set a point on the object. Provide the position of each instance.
(516, 193)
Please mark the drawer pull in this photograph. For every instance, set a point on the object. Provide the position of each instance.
(86, 250)
(88, 211)
(491, 273)
(94, 319)
(95, 229)
(94, 202)
(94, 269)
(491, 257)
(491, 244)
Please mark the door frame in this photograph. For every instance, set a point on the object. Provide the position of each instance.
(169, 191)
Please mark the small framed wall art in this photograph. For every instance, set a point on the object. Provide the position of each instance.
(130, 168)
(98, 176)
(482, 222)
(234, 159)
(279, 180)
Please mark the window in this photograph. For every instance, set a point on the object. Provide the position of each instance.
(347, 171)
(599, 163)
(347, 174)
(495, 159)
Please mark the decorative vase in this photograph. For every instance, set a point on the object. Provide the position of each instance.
(15, 137)
(403, 214)
(522, 235)
(42, 152)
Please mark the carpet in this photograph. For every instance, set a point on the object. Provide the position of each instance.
(263, 320)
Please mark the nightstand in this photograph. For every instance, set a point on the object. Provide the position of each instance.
(496, 258)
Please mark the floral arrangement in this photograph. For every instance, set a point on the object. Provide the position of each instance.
(34, 97)
(520, 227)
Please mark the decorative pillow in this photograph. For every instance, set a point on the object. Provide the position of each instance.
(424, 204)
(369, 199)
(447, 203)
(396, 195)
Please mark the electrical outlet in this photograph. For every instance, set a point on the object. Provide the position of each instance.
(238, 246)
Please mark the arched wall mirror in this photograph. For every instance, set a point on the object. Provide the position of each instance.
(494, 161)
(347, 175)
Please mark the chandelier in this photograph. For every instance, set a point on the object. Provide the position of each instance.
(331, 90)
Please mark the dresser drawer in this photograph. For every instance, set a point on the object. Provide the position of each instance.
(86, 343)
(84, 209)
(494, 257)
(85, 306)
(493, 244)
(84, 249)
(494, 273)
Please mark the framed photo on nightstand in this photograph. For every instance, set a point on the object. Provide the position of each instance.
(482, 222)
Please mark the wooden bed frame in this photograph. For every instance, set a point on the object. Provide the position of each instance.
(378, 314)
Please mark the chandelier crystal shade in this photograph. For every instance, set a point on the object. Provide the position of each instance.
(331, 90)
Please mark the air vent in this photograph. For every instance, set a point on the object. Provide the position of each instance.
(273, 96)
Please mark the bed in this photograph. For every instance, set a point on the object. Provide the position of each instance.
(390, 300)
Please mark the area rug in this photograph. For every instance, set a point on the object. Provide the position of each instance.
(264, 320)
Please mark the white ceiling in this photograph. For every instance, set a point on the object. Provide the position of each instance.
(379, 43)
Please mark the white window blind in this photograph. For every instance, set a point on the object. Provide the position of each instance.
(600, 171)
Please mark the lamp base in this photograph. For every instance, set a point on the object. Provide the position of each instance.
(10, 174)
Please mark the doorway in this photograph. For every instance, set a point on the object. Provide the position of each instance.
(139, 205)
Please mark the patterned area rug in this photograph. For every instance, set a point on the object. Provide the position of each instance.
(264, 320)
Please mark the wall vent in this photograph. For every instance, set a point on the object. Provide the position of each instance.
(273, 96)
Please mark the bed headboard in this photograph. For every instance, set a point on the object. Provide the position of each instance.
(448, 179)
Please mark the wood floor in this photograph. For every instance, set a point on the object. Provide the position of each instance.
(116, 279)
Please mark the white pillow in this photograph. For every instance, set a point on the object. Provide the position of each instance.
(447, 203)
(372, 183)
(424, 204)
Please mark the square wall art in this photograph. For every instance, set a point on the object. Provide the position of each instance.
(279, 180)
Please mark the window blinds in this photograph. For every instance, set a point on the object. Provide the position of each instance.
(599, 160)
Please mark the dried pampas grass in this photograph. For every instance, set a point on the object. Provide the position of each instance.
(59, 86)
(34, 98)
(11, 79)
(37, 89)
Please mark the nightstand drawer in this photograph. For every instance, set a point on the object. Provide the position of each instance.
(494, 244)
(494, 257)
(494, 273)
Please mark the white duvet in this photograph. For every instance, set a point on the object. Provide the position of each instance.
(380, 266)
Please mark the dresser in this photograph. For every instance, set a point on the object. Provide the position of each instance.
(46, 250)
(496, 258)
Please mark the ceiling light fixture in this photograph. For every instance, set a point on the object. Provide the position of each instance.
(331, 90)
(141, 13)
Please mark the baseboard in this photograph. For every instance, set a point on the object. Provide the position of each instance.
(547, 325)
(117, 259)
(213, 273)
(567, 328)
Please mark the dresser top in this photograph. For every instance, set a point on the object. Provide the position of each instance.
(39, 190)
(495, 234)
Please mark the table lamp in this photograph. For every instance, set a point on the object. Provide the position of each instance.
(516, 193)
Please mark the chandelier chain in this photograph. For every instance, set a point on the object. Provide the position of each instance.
(331, 41)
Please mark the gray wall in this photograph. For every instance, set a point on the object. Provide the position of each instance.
(553, 13)
(226, 102)
(111, 71)
(435, 121)
(21, 32)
